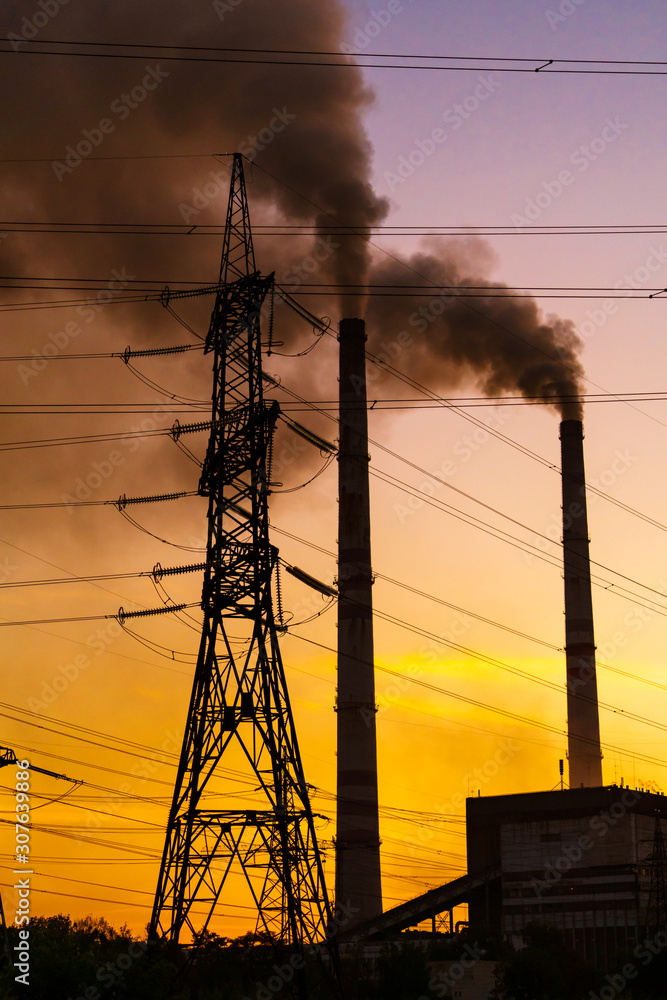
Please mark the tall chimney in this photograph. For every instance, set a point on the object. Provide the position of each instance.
(583, 729)
(358, 880)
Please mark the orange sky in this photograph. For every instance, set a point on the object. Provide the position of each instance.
(95, 687)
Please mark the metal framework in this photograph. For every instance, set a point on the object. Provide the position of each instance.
(239, 711)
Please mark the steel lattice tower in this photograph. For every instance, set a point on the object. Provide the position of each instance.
(239, 714)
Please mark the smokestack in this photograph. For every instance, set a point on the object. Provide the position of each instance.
(583, 729)
(358, 880)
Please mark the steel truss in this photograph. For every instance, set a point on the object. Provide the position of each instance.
(239, 710)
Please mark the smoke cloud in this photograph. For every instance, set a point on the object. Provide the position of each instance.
(301, 128)
(502, 345)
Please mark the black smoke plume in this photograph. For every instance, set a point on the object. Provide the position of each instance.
(494, 340)
(309, 163)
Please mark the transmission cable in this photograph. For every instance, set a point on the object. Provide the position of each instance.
(508, 64)
(471, 614)
(186, 400)
(492, 708)
(489, 529)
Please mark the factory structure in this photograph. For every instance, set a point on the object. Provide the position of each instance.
(585, 859)
(357, 822)
(582, 860)
(588, 859)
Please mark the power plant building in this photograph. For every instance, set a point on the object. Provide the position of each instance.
(579, 860)
(588, 860)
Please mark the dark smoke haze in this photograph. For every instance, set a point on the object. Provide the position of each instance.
(310, 122)
(303, 125)
(500, 344)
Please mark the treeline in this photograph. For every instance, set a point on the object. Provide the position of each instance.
(90, 960)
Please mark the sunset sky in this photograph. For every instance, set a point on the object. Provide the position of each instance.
(472, 167)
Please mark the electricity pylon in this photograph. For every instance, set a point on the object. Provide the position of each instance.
(240, 715)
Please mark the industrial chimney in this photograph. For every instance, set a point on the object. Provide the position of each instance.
(583, 737)
(358, 881)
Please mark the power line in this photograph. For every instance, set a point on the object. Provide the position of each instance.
(455, 512)
(513, 716)
(407, 587)
(431, 501)
(82, 439)
(337, 52)
(304, 229)
(472, 614)
(128, 747)
(482, 657)
(122, 888)
(323, 405)
(523, 449)
(389, 292)
(475, 310)
(325, 287)
(501, 64)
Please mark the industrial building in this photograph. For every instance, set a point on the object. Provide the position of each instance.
(588, 860)
(579, 859)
